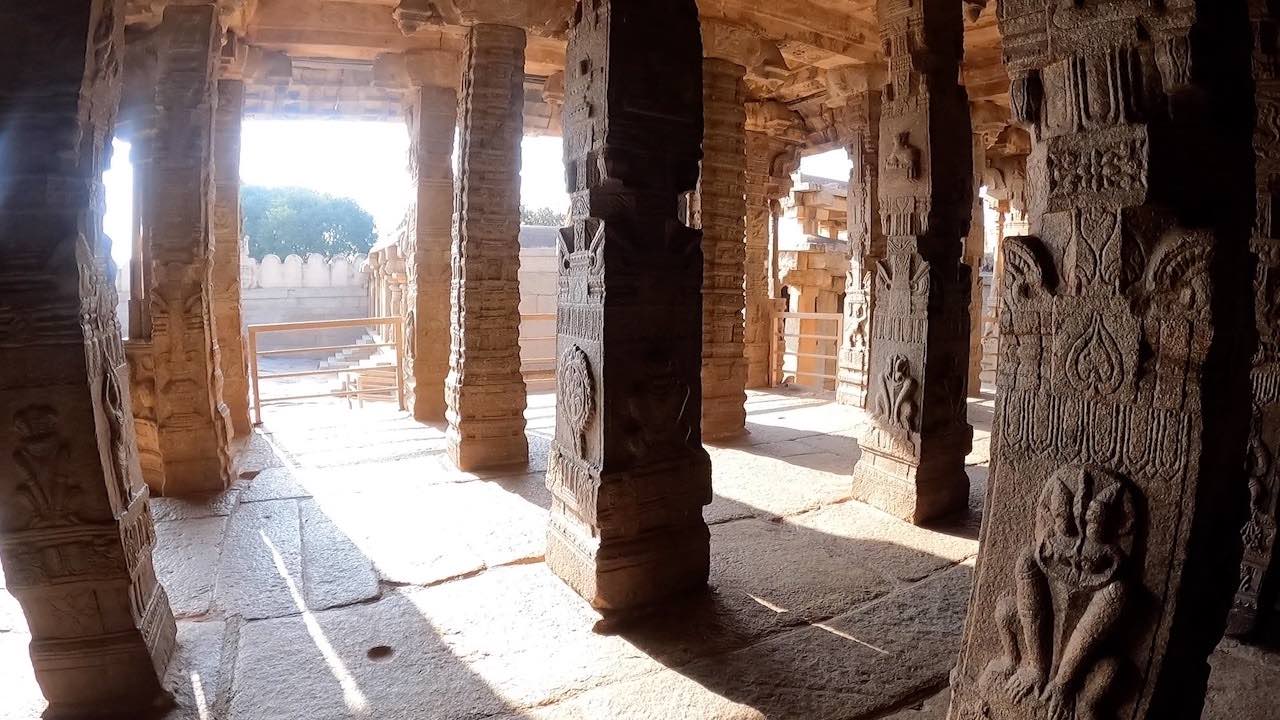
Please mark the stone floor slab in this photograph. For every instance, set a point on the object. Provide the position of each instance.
(274, 483)
(335, 571)
(187, 555)
(260, 575)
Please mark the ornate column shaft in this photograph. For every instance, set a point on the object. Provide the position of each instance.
(75, 530)
(1111, 535)
(432, 117)
(975, 250)
(917, 436)
(226, 255)
(866, 248)
(194, 427)
(770, 161)
(485, 390)
(627, 471)
(1256, 612)
(722, 197)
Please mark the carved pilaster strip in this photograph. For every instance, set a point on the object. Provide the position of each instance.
(484, 389)
(722, 196)
(866, 248)
(226, 255)
(75, 531)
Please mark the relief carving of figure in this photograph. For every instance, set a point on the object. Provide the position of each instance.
(896, 394)
(1071, 591)
(905, 158)
(42, 456)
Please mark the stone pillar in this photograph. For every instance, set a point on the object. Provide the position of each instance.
(627, 471)
(769, 164)
(866, 248)
(432, 117)
(1256, 612)
(485, 390)
(916, 436)
(194, 427)
(75, 530)
(975, 251)
(226, 255)
(1111, 535)
(722, 199)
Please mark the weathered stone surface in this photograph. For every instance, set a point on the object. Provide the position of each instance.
(195, 675)
(722, 205)
(260, 575)
(197, 506)
(335, 569)
(193, 424)
(75, 530)
(917, 436)
(1244, 684)
(485, 390)
(1117, 489)
(627, 470)
(432, 120)
(333, 671)
(186, 557)
(866, 248)
(225, 260)
(274, 483)
(1256, 612)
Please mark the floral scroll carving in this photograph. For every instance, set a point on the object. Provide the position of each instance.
(1071, 590)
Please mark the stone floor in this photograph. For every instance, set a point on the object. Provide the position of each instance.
(352, 573)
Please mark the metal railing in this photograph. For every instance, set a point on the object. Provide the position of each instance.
(806, 347)
(396, 325)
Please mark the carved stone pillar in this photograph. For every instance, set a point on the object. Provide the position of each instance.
(432, 117)
(226, 254)
(975, 250)
(1256, 612)
(75, 530)
(770, 162)
(722, 199)
(627, 471)
(916, 437)
(1111, 540)
(194, 428)
(485, 390)
(866, 248)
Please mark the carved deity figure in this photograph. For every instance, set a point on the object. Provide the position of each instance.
(47, 489)
(1071, 592)
(905, 158)
(896, 395)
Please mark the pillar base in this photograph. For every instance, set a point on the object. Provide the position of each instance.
(923, 488)
(633, 573)
(724, 423)
(473, 453)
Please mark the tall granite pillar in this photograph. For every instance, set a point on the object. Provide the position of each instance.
(769, 164)
(1110, 542)
(432, 116)
(975, 250)
(75, 530)
(916, 436)
(1256, 613)
(866, 248)
(484, 389)
(627, 471)
(722, 199)
(226, 255)
(193, 423)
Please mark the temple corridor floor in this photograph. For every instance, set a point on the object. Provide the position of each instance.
(352, 573)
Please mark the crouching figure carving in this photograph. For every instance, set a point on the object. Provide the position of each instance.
(1071, 591)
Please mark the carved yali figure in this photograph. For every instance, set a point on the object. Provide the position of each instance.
(896, 395)
(1071, 590)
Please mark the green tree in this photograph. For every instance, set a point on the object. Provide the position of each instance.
(284, 220)
(544, 217)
